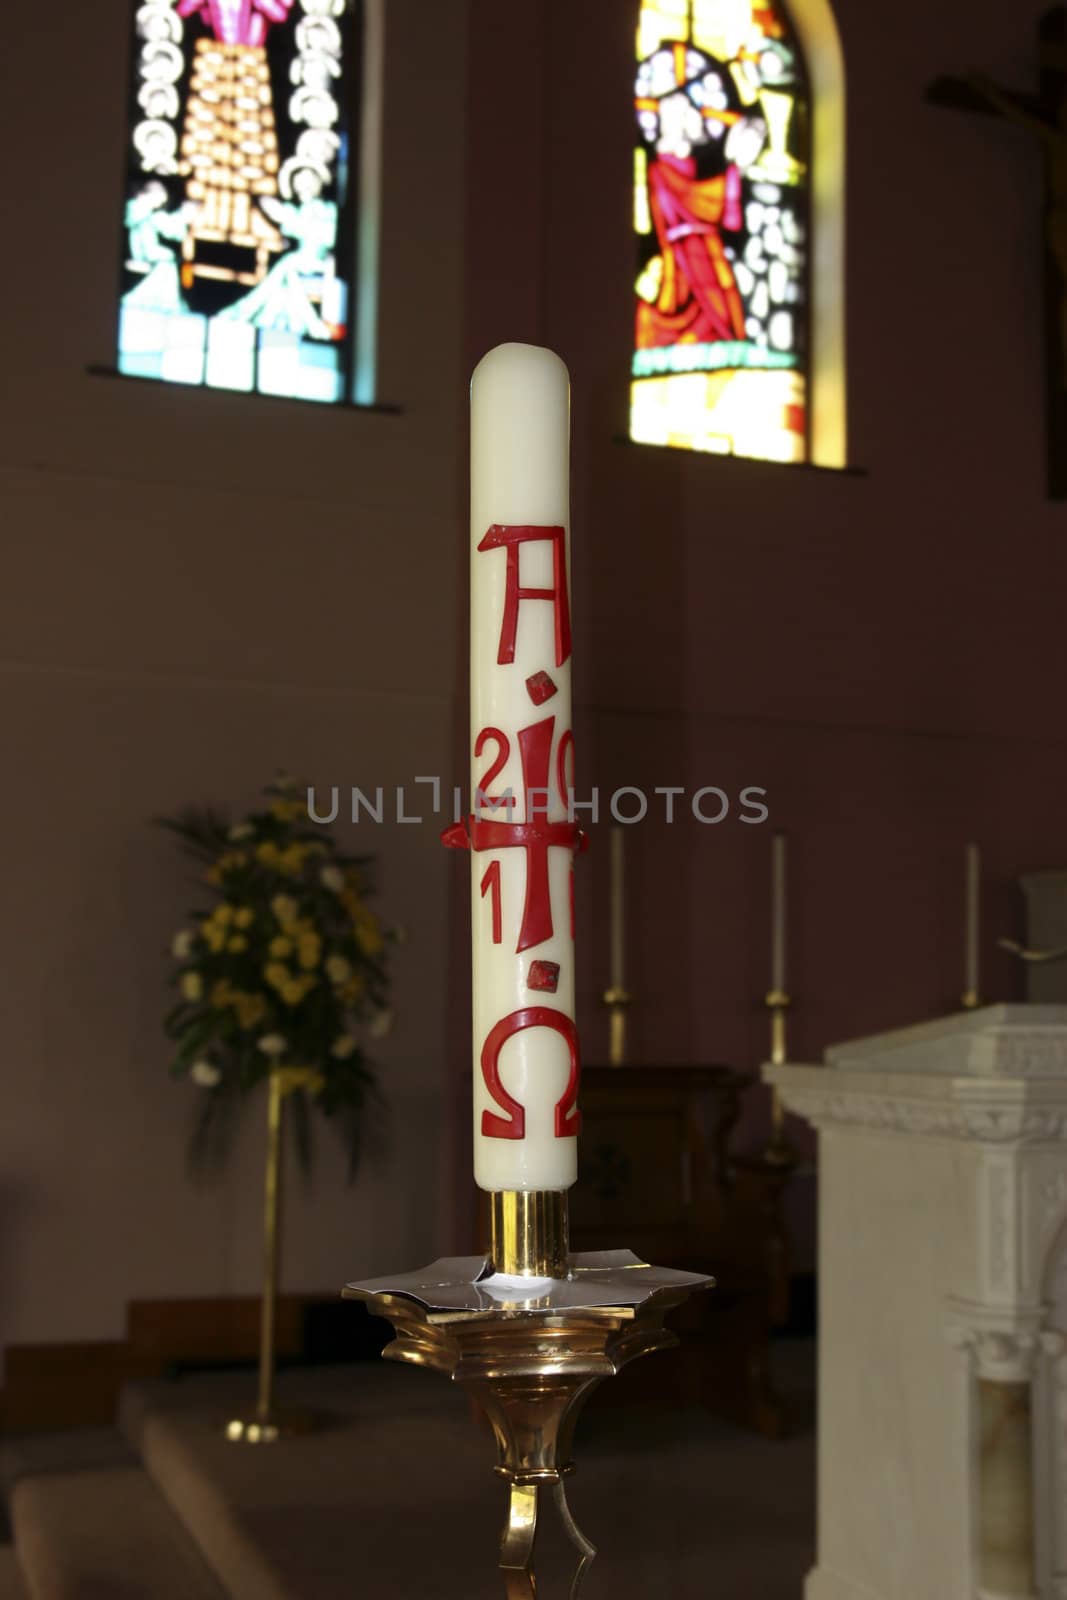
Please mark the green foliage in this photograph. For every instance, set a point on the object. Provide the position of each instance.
(286, 970)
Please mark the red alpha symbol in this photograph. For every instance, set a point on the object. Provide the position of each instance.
(513, 1126)
(512, 538)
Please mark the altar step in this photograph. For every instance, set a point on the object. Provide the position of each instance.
(394, 1495)
(12, 1586)
(104, 1535)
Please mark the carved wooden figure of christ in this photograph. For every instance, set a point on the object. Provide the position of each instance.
(1044, 117)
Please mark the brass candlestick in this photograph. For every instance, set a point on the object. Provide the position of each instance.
(778, 1150)
(530, 1352)
(266, 1423)
(617, 999)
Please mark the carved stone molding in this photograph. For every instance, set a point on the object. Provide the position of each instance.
(1023, 1053)
(1015, 1123)
(1005, 1356)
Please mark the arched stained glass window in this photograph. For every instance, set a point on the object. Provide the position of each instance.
(721, 172)
(237, 243)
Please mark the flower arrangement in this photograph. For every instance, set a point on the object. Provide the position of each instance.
(284, 972)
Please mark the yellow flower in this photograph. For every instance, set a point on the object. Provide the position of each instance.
(338, 970)
(310, 950)
(343, 1047)
(223, 913)
(277, 974)
(368, 934)
(280, 947)
(192, 985)
(351, 991)
(244, 917)
(231, 858)
(285, 909)
(214, 937)
(292, 1078)
(237, 943)
(250, 1008)
(291, 859)
(221, 994)
(288, 810)
(295, 990)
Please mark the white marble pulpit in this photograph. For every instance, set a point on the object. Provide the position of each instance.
(942, 1444)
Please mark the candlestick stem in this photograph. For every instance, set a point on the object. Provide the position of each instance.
(266, 1423)
(616, 1000)
(777, 1003)
(969, 1000)
(271, 1202)
(778, 912)
(617, 908)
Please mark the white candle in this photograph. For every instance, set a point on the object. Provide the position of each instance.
(778, 912)
(525, 1044)
(618, 909)
(972, 873)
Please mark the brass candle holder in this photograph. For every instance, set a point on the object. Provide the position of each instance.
(779, 1152)
(617, 999)
(529, 1330)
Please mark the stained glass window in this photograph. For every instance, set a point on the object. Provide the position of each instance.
(237, 247)
(721, 171)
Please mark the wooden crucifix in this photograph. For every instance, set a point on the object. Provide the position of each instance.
(1044, 116)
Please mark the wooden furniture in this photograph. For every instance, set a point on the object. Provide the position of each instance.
(655, 1177)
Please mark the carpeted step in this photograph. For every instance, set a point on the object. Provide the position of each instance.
(30, 1455)
(12, 1586)
(104, 1535)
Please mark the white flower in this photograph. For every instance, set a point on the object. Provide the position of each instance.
(332, 878)
(343, 1047)
(271, 1044)
(203, 1073)
(182, 944)
(338, 970)
(241, 830)
(380, 1024)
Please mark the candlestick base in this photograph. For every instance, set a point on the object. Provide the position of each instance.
(530, 1352)
(969, 1000)
(267, 1427)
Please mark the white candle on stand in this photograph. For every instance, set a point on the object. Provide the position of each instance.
(618, 909)
(525, 1044)
(972, 876)
(778, 913)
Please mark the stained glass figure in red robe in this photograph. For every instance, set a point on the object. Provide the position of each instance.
(684, 103)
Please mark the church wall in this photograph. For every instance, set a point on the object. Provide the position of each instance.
(200, 588)
(881, 648)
